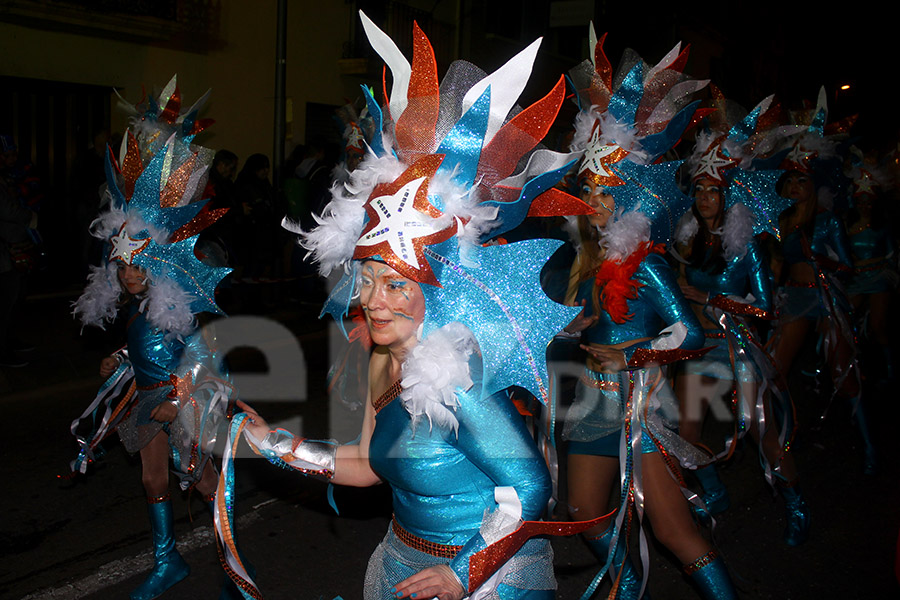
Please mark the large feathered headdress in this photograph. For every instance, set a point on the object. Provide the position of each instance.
(725, 152)
(155, 215)
(450, 166)
(628, 121)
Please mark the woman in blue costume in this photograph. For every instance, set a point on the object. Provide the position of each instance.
(161, 394)
(621, 425)
(809, 263)
(875, 277)
(727, 280)
(454, 323)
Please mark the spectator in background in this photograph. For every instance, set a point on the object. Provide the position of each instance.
(15, 220)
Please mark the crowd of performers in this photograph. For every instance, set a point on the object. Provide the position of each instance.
(690, 281)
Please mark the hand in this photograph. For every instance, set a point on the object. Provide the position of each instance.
(692, 293)
(255, 424)
(580, 322)
(165, 412)
(611, 360)
(434, 582)
(108, 366)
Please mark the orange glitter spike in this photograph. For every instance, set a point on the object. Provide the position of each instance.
(176, 184)
(603, 67)
(204, 219)
(555, 202)
(522, 133)
(681, 62)
(132, 167)
(416, 127)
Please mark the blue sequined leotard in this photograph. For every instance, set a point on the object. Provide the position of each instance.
(443, 482)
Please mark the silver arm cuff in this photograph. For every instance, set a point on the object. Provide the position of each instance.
(311, 457)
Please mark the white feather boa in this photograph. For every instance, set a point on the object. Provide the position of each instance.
(332, 243)
(736, 232)
(612, 132)
(434, 371)
(97, 305)
(167, 306)
(624, 233)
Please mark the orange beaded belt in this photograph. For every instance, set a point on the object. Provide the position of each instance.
(800, 284)
(590, 380)
(417, 543)
(714, 334)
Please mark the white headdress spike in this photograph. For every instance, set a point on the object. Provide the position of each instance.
(396, 62)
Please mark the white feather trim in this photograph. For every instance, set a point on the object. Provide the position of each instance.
(97, 304)
(332, 243)
(167, 307)
(434, 371)
(738, 231)
(624, 233)
(687, 228)
(109, 222)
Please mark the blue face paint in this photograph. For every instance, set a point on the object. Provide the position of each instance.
(404, 315)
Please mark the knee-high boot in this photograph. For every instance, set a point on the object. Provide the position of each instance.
(711, 577)
(230, 589)
(715, 495)
(629, 581)
(797, 513)
(169, 567)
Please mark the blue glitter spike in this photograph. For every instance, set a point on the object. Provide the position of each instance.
(742, 131)
(659, 143)
(818, 123)
(653, 190)
(624, 103)
(462, 145)
(756, 190)
(376, 143)
(511, 214)
(508, 313)
(178, 262)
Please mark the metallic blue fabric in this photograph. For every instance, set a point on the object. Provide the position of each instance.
(153, 357)
(742, 275)
(630, 582)
(659, 304)
(443, 483)
(169, 567)
(828, 235)
(714, 583)
(870, 243)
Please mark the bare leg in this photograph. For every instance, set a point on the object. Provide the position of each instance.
(668, 511)
(155, 465)
(591, 480)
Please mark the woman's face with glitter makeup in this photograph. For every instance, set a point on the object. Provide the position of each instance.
(798, 186)
(394, 305)
(708, 198)
(596, 197)
(133, 279)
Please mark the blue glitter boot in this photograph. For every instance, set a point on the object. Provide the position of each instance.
(715, 495)
(630, 581)
(711, 577)
(168, 568)
(797, 530)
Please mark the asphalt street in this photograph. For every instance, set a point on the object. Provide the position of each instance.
(88, 537)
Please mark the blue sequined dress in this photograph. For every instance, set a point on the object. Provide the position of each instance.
(595, 423)
(443, 484)
(159, 361)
